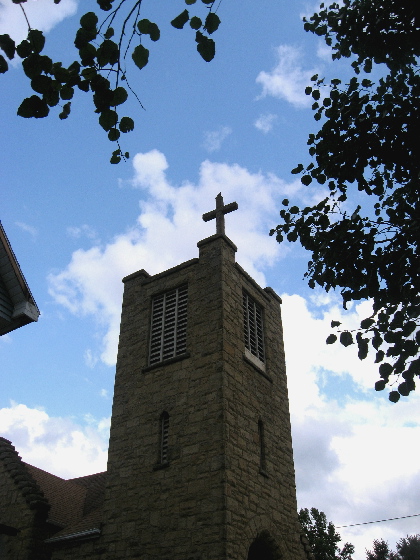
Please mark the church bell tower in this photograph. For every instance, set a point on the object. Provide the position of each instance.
(200, 459)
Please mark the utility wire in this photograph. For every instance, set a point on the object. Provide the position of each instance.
(379, 521)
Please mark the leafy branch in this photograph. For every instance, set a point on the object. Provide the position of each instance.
(368, 140)
(101, 64)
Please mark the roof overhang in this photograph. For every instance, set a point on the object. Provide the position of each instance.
(17, 305)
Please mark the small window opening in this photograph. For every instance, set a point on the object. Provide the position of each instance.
(261, 437)
(164, 436)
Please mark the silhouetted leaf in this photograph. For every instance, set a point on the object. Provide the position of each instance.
(180, 20)
(147, 27)
(140, 56)
(380, 385)
(297, 169)
(120, 95)
(116, 157)
(212, 23)
(66, 111)
(113, 134)
(66, 93)
(41, 83)
(107, 53)
(126, 124)
(3, 64)
(8, 46)
(205, 46)
(108, 119)
(346, 338)
(195, 23)
(394, 396)
(363, 345)
(89, 20)
(33, 106)
(87, 54)
(24, 49)
(36, 40)
(385, 370)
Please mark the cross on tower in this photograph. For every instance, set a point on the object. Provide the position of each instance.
(219, 213)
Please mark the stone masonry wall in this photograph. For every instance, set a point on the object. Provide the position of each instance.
(175, 512)
(211, 501)
(257, 501)
(22, 507)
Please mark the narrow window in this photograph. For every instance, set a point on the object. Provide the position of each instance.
(253, 327)
(169, 325)
(261, 438)
(164, 435)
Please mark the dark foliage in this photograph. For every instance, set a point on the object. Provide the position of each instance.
(368, 143)
(408, 548)
(322, 536)
(100, 69)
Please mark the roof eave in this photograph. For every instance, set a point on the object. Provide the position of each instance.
(25, 309)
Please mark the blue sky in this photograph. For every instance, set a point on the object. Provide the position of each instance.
(78, 225)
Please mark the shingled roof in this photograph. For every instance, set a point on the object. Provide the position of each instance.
(70, 508)
(76, 504)
(17, 306)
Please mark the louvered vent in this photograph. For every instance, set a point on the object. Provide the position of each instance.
(169, 325)
(253, 327)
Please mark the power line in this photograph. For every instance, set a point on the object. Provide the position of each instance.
(379, 521)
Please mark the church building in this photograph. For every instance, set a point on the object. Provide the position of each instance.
(200, 463)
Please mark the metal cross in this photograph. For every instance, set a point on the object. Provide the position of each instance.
(219, 213)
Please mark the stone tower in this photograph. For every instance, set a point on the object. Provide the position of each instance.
(200, 460)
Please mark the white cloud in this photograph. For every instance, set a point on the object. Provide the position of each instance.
(214, 139)
(324, 52)
(265, 123)
(287, 80)
(29, 229)
(308, 324)
(77, 232)
(310, 10)
(354, 453)
(57, 445)
(167, 230)
(42, 14)
(90, 359)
